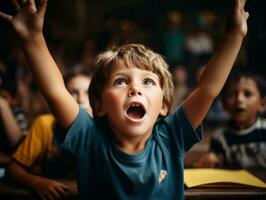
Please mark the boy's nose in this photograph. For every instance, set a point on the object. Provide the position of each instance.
(240, 97)
(81, 98)
(134, 91)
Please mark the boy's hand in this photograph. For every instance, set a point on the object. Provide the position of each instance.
(3, 102)
(237, 23)
(209, 160)
(28, 21)
(50, 189)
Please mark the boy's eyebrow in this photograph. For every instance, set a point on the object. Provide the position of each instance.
(148, 73)
(145, 73)
(117, 74)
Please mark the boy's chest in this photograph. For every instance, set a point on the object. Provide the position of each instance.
(142, 176)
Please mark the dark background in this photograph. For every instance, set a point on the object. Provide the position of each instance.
(77, 19)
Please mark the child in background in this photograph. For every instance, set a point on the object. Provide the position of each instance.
(133, 148)
(13, 122)
(181, 88)
(242, 144)
(38, 160)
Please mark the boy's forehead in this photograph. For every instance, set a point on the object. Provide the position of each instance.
(121, 66)
(243, 82)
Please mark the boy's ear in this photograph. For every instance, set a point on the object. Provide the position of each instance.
(164, 110)
(262, 108)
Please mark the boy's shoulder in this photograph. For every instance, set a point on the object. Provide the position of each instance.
(260, 125)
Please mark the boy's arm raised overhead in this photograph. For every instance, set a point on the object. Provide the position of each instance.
(218, 68)
(28, 25)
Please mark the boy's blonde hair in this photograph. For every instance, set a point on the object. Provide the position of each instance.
(139, 56)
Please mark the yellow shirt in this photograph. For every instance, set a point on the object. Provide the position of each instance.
(38, 143)
(39, 153)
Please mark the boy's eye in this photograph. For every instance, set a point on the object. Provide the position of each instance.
(120, 82)
(72, 92)
(248, 93)
(149, 81)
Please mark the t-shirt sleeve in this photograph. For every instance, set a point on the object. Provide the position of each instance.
(181, 130)
(77, 138)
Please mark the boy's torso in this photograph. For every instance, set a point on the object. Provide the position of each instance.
(105, 171)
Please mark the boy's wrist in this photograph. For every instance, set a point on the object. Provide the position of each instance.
(234, 35)
(33, 40)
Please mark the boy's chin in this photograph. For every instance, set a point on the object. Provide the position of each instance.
(243, 122)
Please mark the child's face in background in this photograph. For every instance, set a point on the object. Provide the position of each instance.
(132, 101)
(179, 76)
(78, 87)
(243, 101)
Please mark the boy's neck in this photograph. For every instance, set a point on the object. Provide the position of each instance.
(243, 126)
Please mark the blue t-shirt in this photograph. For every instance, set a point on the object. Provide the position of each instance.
(105, 172)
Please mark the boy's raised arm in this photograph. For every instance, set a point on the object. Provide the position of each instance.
(218, 68)
(28, 25)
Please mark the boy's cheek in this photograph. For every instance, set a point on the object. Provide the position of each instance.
(100, 111)
(263, 105)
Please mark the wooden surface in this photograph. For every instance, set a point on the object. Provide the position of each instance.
(217, 193)
(9, 191)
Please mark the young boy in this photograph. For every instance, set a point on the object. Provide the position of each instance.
(242, 144)
(131, 149)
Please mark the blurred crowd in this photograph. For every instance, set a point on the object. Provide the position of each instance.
(185, 41)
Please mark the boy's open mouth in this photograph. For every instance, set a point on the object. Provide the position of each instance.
(239, 110)
(136, 111)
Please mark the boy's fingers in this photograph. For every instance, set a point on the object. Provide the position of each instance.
(42, 8)
(246, 15)
(243, 3)
(23, 2)
(6, 17)
(16, 5)
(55, 194)
(63, 192)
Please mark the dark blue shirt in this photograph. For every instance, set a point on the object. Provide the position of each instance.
(105, 172)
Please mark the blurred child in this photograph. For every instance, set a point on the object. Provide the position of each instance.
(132, 148)
(37, 160)
(173, 38)
(242, 144)
(181, 88)
(13, 122)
